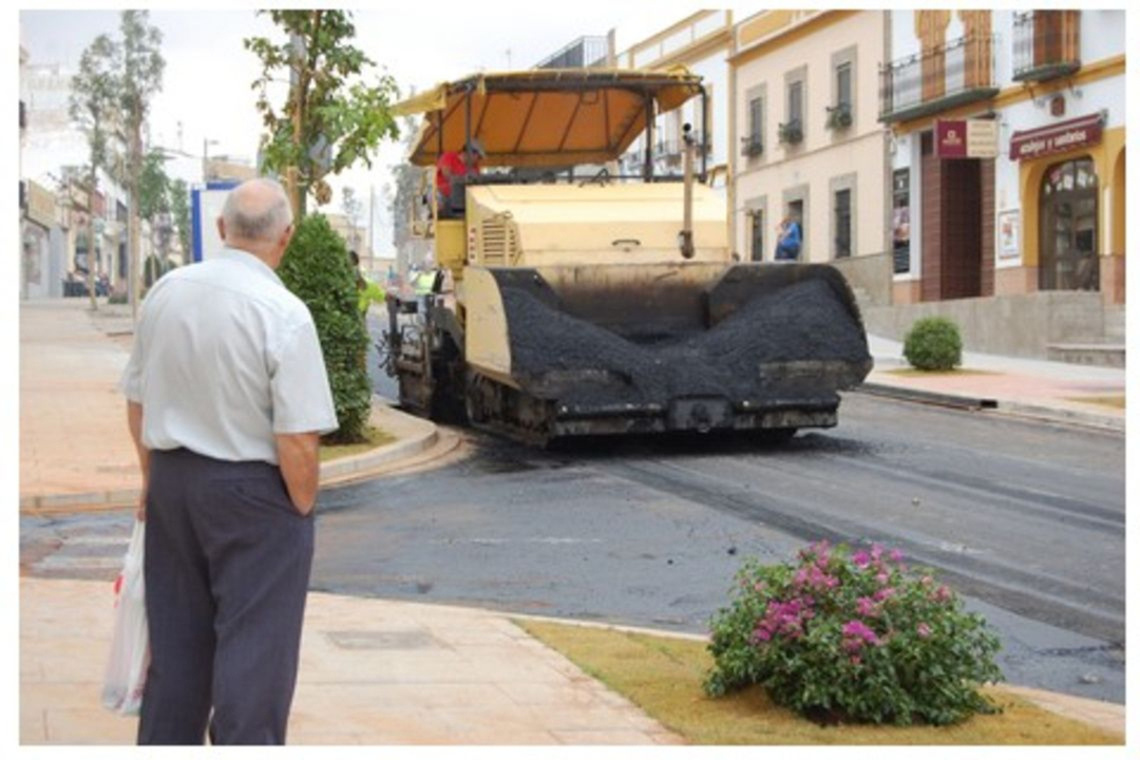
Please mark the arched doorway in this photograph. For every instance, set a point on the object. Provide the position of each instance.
(1068, 240)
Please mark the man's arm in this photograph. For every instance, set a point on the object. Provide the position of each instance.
(300, 467)
(134, 422)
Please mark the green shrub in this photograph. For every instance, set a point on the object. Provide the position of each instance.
(933, 343)
(853, 637)
(317, 269)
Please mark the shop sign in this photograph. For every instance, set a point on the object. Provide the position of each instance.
(950, 138)
(965, 138)
(1056, 138)
(41, 205)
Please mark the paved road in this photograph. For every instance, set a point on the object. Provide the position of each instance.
(1026, 519)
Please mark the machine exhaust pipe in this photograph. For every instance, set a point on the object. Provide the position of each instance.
(685, 237)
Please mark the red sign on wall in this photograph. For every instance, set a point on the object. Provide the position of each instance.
(965, 138)
(1057, 138)
(950, 138)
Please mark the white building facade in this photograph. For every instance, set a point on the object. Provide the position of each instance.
(1046, 213)
(807, 141)
(700, 42)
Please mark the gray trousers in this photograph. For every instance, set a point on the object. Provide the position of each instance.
(227, 570)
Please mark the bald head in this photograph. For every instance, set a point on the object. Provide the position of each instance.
(257, 211)
(257, 218)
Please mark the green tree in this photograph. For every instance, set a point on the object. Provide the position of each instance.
(154, 186)
(352, 208)
(92, 105)
(316, 268)
(180, 211)
(139, 80)
(408, 190)
(331, 118)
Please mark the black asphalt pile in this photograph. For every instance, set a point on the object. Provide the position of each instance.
(754, 354)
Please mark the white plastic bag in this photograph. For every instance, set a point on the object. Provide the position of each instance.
(130, 645)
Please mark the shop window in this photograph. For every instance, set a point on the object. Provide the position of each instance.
(900, 220)
(1068, 231)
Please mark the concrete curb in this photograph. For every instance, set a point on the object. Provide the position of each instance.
(928, 397)
(1001, 406)
(356, 467)
(422, 436)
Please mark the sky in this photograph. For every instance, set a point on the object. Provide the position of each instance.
(207, 93)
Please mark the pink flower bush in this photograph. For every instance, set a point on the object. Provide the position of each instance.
(852, 635)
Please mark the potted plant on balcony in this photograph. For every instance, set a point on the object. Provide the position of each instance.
(751, 146)
(791, 132)
(839, 116)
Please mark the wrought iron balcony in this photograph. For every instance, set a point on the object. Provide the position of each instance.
(1046, 45)
(751, 146)
(926, 83)
(791, 132)
(839, 116)
(584, 52)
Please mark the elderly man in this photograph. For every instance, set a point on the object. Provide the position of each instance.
(227, 396)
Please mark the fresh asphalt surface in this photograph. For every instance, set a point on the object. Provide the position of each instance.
(1026, 519)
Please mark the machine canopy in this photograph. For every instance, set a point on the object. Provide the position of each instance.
(545, 117)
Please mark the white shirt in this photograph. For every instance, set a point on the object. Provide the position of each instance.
(224, 358)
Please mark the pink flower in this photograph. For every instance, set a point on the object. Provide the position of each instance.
(856, 659)
(942, 594)
(883, 578)
(896, 555)
(923, 630)
(866, 606)
(886, 592)
(861, 558)
(927, 581)
(857, 629)
(876, 552)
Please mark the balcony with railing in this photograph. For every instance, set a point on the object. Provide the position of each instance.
(1046, 45)
(937, 79)
(582, 53)
(791, 132)
(751, 145)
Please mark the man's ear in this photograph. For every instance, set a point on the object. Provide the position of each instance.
(286, 237)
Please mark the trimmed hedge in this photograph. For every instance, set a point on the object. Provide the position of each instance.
(316, 268)
(933, 343)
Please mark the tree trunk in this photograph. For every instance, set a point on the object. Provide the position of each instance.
(133, 234)
(91, 239)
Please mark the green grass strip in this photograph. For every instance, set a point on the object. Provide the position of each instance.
(663, 675)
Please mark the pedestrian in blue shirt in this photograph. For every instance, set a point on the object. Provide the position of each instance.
(788, 240)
